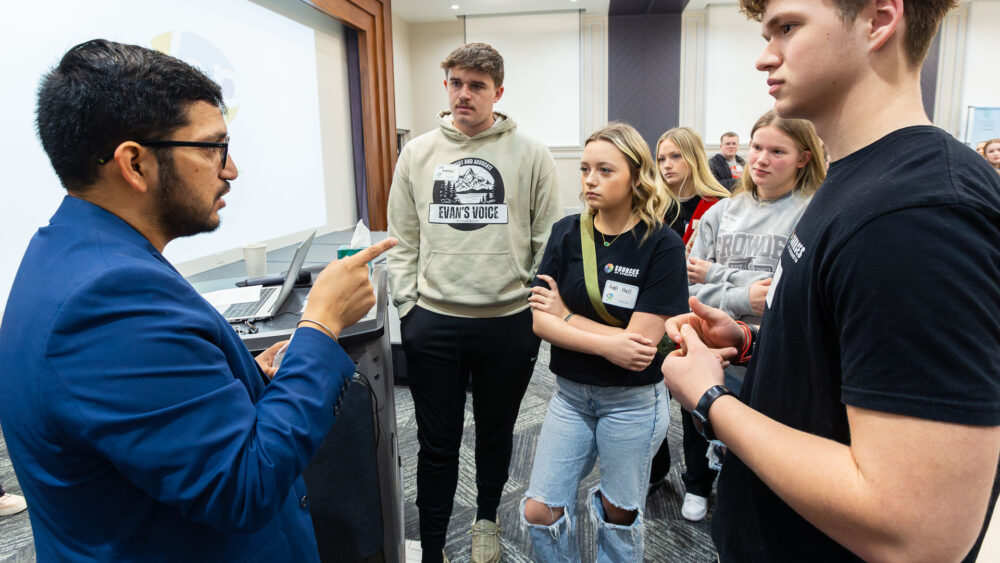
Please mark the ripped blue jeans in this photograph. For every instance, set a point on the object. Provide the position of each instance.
(623, 426)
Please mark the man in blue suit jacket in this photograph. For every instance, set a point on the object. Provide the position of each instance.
(139, 425)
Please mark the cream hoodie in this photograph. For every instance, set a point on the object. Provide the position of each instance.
(472, 215)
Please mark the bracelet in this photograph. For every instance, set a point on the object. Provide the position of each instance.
(700, 412)
(749, 337)
(325, 328)
(568, 317)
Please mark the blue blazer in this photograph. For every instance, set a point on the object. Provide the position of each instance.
(139, 425)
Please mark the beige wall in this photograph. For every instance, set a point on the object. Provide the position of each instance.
(401, 72)
(429, 44)
(568, 177)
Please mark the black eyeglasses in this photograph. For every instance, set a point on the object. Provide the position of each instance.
(224, 146)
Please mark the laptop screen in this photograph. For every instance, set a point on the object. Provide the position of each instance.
(293, 273)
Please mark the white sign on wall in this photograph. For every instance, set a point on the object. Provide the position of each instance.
(982, 124)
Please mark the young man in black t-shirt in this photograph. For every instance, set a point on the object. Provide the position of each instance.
(869, 425)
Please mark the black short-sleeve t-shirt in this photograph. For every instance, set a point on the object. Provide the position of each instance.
(886, 298)
(655, 269)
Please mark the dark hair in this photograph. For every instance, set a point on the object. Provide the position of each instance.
(921, 20)
(479, 57)
(103, 93)
(728, 134)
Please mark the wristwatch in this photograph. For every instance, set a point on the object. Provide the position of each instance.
(700, 412)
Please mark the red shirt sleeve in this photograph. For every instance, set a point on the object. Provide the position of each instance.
(692, 225)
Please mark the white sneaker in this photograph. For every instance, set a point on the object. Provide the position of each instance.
(695, 507)
(12, 504)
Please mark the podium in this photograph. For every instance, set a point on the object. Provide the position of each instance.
(354, 481)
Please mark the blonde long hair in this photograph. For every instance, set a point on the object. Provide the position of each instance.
(693, 152)
(803, 134)
(650, 201)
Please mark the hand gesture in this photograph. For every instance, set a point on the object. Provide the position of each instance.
(548, 299)
(697, 270)
(758, 295)
(688, 374)
(712, 326)
(342, 293)
(629, 350)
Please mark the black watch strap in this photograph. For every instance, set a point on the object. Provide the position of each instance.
(700, 412)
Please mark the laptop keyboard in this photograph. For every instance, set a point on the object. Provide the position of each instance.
(240, 310)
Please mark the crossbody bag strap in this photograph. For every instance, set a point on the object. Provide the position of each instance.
(590, 269)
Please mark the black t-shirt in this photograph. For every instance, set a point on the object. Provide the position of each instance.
(680, 223)
(886, 298)
(654, 270)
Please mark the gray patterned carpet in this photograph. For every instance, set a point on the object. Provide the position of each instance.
(15, 531)
(669, 538)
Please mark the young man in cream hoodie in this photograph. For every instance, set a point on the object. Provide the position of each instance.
(472, 204)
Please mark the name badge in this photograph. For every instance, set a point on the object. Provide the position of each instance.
(774, 285)
(620, 294)
(446, 172)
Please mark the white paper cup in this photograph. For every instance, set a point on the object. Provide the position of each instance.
(255, 256)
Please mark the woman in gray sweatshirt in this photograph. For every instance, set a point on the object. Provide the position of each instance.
(739, 240)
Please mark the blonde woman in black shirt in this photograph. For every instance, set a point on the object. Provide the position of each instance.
(611, 403)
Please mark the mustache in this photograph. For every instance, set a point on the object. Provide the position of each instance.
(224, 190)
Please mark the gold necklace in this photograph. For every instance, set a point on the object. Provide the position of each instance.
(605, 241)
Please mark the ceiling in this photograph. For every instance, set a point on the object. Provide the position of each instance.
(414, 11)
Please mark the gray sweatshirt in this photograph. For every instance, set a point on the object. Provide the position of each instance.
(744, 237)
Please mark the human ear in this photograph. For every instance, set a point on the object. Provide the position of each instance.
(886, 19)
(496, 97)
(134, 163)
(804, 158)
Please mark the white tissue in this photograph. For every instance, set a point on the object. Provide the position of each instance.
(362, 236)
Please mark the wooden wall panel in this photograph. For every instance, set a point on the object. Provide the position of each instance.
(372, 19)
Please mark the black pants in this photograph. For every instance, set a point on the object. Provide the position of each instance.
(698, 478)
(442, 352)
(660, 465)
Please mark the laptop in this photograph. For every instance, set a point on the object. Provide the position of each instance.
(272, 297)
